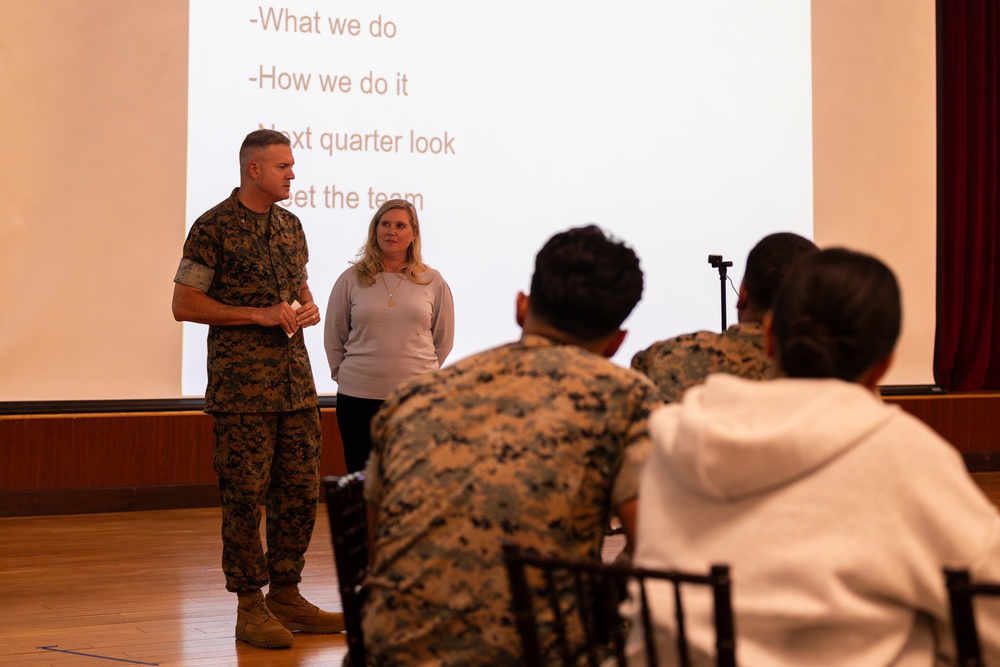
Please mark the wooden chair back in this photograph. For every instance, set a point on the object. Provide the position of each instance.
(581, 605)
(961, 591)
(345, 506)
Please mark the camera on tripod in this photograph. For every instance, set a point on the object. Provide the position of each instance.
(716, 261)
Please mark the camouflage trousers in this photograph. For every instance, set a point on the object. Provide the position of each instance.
(270, 459)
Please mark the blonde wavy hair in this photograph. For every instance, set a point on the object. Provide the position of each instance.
(369, 262)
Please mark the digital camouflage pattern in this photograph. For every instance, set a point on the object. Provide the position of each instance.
(249, 450)
(676, 364)
(534, 442)
(261, 393)
(229, 256)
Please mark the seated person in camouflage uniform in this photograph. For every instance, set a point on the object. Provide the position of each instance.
(679, 363)
(538, 441)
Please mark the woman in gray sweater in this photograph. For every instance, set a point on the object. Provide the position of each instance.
(390, 318)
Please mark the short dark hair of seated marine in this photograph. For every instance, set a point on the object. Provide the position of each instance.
(585, 283)
(768, 263)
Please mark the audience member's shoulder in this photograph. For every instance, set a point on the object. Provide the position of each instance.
(427, 385)
(647, 386)
(631, 379)
(678, 345)
(747, 333)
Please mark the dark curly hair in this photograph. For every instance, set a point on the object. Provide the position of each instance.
(585, 283)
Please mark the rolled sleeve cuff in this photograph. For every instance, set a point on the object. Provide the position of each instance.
(194, 275)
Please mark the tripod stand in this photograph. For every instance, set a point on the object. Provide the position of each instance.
(717, 262)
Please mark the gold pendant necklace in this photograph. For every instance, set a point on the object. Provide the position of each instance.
(392, 304)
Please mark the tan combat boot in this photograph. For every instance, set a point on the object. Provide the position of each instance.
(256, 625)
(296, 613)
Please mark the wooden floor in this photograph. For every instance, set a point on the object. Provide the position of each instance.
(139, 588)
(989, 482)
(146, 588)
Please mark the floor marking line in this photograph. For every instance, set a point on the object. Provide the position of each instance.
(92, 655)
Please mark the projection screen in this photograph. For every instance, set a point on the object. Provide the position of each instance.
(683, 128)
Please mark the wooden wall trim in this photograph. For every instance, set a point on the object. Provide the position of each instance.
(82, 463)
(99, 500)
(970, 421)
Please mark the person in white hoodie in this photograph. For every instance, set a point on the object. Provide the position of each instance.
(835, 511)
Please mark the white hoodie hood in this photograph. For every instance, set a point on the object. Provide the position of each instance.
(835, 512)
(731, 438)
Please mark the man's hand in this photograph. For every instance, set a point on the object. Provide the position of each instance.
(193, 305)
(279, 315)
(307, 315)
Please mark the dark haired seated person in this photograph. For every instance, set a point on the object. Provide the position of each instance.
(835, 511)
(538, 441)
(684, 361)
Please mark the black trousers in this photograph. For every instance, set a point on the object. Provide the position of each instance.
(354, 419)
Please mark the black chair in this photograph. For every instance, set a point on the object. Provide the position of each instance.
(961, 590)
(582, 598)
(345, 506)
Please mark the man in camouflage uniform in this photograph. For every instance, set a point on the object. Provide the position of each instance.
(679, 363)
(243, 273)
(538, 441)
